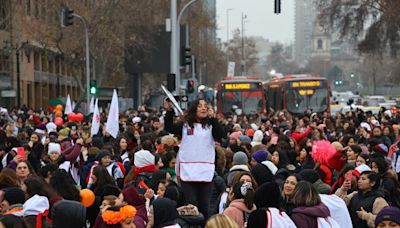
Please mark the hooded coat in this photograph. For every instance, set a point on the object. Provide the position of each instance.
(236, 210)
(307, 216)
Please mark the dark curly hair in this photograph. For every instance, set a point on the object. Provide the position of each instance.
(191, 116)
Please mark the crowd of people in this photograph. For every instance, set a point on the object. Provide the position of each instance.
(200, 169)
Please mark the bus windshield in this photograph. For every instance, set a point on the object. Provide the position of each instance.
(300, 100)
(250, 102)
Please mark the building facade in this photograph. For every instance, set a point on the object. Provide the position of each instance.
(38, 72)
(305, 14)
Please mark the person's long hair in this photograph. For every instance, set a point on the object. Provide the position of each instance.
(38, 186)
(305, 195)
(248, 197)
(117, 147)
(103, 178)
(191, 116)
(63, 183)
(8, 178)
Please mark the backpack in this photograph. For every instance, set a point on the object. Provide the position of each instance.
(327, 222)
(278, 219)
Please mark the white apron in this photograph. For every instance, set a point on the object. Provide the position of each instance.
(196, 156)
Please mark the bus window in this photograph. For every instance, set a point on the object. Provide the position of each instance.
(300, 100)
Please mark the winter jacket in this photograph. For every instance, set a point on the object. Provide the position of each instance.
(141, 216)
(219, 187)
(370, 201)
(298, 136)
(237, 210)
(307, 216)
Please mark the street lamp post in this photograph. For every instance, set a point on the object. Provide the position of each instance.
(227, 34)
(87, 59)
(175, 41)
(243, 63)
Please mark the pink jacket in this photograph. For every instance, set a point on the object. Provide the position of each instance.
(236, 209)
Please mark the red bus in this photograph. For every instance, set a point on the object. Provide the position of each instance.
(240, 92)
(298, 93)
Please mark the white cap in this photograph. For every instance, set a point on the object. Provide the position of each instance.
(136, 120)
(51, 127)
(254, 126)
(375, 123)
(388, 113)
(366, 126)
(54, 147)
(143, 158)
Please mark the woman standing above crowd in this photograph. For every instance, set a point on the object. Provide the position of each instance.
(196, 156)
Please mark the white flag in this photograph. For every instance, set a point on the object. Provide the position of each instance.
(68, 106)
(91, 106)
(96, 119)
(112, 125)
(231, 69)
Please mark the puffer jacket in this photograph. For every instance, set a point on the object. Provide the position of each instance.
(237, 210)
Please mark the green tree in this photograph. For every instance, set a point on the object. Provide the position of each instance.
(278, 61)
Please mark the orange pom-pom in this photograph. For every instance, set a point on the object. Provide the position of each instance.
(114, 217)
(127, 211)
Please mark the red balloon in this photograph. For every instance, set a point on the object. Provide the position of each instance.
(71, 116)
(58, 121)
(79, 117)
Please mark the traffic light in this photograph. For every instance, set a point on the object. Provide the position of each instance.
(190, 86)
(67, 16)
(171, 82)
(93, 87)
(186, 56)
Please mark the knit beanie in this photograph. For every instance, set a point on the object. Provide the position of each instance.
(235, 135)
(143, 158)
(309, 175)
(254, 126)
(260, 155)
(51, 127)
(54, 147)
(257, 138)
(388, 214)
(245, 139)
(102, 154)
(262, 174)
(64, 132)
(382, 149)
(240, 158)
(132, 197)
(250, 132)
(14, 195)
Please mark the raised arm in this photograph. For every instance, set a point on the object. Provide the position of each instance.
(169, 125)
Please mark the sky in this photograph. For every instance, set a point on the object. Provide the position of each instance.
(261, 20)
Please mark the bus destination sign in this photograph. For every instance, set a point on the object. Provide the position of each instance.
(238, 86)
(306, 84)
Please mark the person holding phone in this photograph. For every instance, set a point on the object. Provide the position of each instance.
(195, 159)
